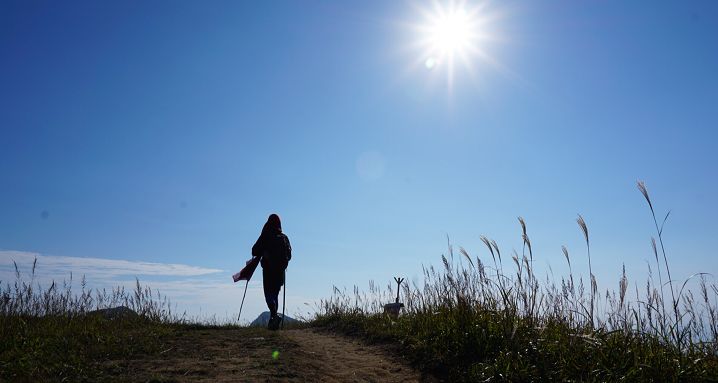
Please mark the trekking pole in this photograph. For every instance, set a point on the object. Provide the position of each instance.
(284, 298)
(243, 296)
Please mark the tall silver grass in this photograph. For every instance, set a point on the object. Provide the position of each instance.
(478, 285)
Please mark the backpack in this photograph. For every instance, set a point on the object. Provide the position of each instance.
(275, 251)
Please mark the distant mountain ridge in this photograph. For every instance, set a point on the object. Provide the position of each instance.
(263, 319)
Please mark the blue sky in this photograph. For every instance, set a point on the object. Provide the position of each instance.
(167, 132)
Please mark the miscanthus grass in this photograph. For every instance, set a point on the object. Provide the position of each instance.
(473, 320)
(54, 333)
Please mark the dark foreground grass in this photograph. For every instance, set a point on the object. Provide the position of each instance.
(60, 348)
(55, 334)
(476, 322)
(462, 344)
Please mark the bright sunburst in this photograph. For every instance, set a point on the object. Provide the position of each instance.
(451, 32)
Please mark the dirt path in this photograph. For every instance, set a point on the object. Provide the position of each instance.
(257, 355)
(336, 358)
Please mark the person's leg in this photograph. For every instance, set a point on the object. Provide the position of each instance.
(272, 282)
(277, 289)
(274, 291)
(269, 295)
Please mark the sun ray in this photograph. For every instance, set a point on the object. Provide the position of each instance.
(453, 36)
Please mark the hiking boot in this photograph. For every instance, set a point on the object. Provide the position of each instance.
(273, 323)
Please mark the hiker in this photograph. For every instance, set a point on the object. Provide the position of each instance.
(275, 251)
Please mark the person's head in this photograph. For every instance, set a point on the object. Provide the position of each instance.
(273, 225)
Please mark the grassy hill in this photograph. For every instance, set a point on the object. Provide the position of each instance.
(471, 320)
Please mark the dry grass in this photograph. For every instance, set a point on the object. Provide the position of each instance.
(52, 333)
(470, 321)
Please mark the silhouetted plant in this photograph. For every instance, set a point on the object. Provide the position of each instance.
(473, 322)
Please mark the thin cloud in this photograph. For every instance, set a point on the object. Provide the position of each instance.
(97, 267)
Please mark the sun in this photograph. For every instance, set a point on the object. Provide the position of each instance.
(452, 32)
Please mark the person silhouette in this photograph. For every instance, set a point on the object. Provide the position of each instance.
(275, 251)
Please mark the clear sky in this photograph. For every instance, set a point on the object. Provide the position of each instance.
(167, 131)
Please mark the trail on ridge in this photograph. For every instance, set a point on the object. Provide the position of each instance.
(248, 355)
